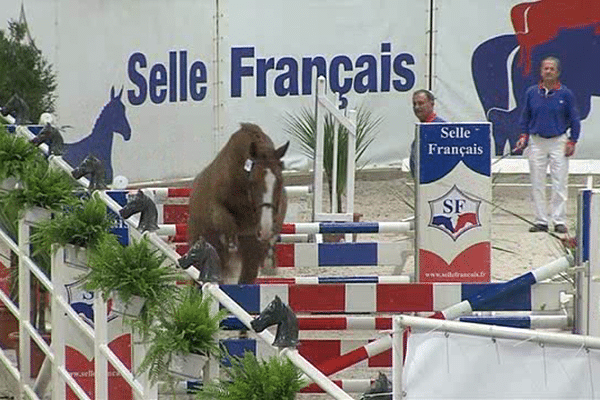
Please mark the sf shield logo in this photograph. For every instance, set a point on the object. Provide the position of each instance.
(454, 213)
(82, 302)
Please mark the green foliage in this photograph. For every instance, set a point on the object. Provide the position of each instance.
(252, 379)
(16, 154)
(25, 71)
(44, 187)
(82, 224)
(303, 127)
(184, 325)
(134, 270)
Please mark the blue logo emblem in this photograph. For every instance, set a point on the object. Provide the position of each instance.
(454, 213)
(82, 301)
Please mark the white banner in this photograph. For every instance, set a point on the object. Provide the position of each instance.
(455, 366)
(183, 74)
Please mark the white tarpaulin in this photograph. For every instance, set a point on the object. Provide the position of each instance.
(457, 366)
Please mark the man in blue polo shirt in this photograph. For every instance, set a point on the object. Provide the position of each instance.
(423, 106)
(550, 110)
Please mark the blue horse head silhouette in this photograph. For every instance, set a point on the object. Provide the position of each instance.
(112, 119)
(498, 76)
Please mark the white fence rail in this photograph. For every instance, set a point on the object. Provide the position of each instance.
(102, 353)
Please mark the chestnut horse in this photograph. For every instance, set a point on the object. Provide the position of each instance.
(238, 203)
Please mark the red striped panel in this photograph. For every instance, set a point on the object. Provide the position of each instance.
(318, 298)
(318, 351)
(181, 249)
(383, 323)
(288, 228)
(314, 388)
(381, 360)
(285, 254)
(175, 214)
(181, 229)
(179, 192)
(404, 297)
(315, 324)
(178, 239)
(275, 281)
(334, 365)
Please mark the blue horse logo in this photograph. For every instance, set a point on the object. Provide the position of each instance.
(112, 119)
(503, 68)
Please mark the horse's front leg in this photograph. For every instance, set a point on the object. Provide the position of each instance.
(252, 253)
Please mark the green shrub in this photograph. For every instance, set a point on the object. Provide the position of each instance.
(182, 326)
(251, 379)
(16, 154)
(82, 224)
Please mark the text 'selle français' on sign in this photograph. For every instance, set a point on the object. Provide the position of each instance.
(453, 194)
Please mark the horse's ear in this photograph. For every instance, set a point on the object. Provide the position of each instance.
(112, 93)
(280, 152)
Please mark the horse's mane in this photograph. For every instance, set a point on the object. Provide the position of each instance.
(99, 118)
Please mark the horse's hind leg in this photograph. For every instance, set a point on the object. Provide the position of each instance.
(252, 253)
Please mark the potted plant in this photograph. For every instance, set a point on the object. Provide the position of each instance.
(135, 276)
(16, 154)
(273, 379)
(303, 128)
(82, 224)
(183, 337)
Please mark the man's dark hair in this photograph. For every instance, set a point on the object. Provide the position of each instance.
(426, 92)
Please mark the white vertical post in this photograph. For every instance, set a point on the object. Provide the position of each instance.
(320, 145)
(100, 361)
(334, 171)
(24, 302)
(397, 357)
(211, 368)
(139, 352)
(59, 324)
(351, 168)
(593, 278)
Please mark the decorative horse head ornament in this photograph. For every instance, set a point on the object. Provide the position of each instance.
(92, 167)
(16, 107)
(280, 314)
(143, 204)
(381, 389)
(203, 256)
(52, 137)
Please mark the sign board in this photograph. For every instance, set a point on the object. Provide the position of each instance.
(453, 195)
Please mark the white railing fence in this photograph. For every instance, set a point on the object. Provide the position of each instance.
(102, 353)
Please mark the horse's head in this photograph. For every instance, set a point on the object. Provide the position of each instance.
(115, 115)
(264, 169)
(93, 167)
(272, 314)
(203, 256)
(52, 137)
(135, 204)
(381, 386)
(16, 107)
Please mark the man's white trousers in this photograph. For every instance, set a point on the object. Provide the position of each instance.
(543, 153)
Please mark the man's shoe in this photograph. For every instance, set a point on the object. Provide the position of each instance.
(539, 228)
(560, 228)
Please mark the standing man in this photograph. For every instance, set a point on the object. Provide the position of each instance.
(423, 103)
(550, 110)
